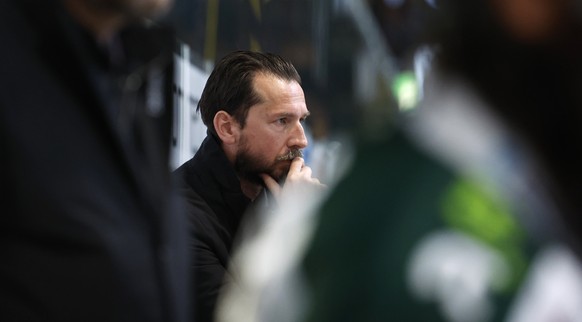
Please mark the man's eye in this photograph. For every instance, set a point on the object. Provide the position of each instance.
(282, 121)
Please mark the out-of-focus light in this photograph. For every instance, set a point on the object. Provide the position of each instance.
(432, 3)
(399, 3)
(405, 89)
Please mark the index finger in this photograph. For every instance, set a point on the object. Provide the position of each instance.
(271, 184)
(296, 165)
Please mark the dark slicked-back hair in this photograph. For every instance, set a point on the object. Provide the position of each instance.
(230, 85)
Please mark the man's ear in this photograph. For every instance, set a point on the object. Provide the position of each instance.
(227, 128)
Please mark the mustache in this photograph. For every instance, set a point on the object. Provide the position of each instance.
(292, 154)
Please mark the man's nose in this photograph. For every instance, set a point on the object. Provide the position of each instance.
(298, 138)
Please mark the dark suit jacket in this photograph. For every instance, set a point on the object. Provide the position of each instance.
(87, 231)
(216, 206)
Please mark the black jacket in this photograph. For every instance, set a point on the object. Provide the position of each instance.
(216, 206)
(87, 232)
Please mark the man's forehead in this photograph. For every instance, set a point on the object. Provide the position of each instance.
(262, 82)
(273, 89)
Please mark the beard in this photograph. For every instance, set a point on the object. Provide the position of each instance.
(249, 166)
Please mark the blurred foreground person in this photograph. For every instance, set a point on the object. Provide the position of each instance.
(468, 211)
(475, 216)
(254, 108)
(88, 233)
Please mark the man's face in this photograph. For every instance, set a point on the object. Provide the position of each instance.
(273, 133)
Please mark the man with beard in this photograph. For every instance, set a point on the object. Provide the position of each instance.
(89, 231)
(254, 108)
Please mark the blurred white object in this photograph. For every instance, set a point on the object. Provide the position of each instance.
(553, 289)
(265, 285)
(459, 273)
(188, 130)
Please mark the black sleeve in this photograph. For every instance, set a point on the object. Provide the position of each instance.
(210, 253)
(207, 281)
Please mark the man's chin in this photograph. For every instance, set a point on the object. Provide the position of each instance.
(253, 178)
(280, 174)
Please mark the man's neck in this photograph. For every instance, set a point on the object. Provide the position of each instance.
(251, 190)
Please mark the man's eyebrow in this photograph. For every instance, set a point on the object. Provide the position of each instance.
(287, 114)
(304, 116)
